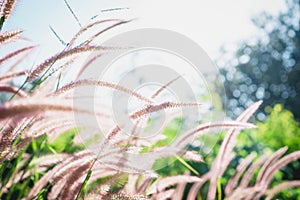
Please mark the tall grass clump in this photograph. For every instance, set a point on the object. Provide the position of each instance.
(41, 157)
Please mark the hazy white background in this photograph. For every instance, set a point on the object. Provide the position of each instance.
(209, 23)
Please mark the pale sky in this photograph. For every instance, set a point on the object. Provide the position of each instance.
(209, 23)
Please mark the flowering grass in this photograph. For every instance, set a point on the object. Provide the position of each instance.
(41, 157)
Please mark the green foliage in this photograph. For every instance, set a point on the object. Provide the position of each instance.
(19, 166)
(82, 190)
(1, 22)
(64, 142)
(279, 129)
(176, 165)
(172, 166)
(170, 132)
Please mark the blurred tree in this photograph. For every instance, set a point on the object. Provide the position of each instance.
(269, 68)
